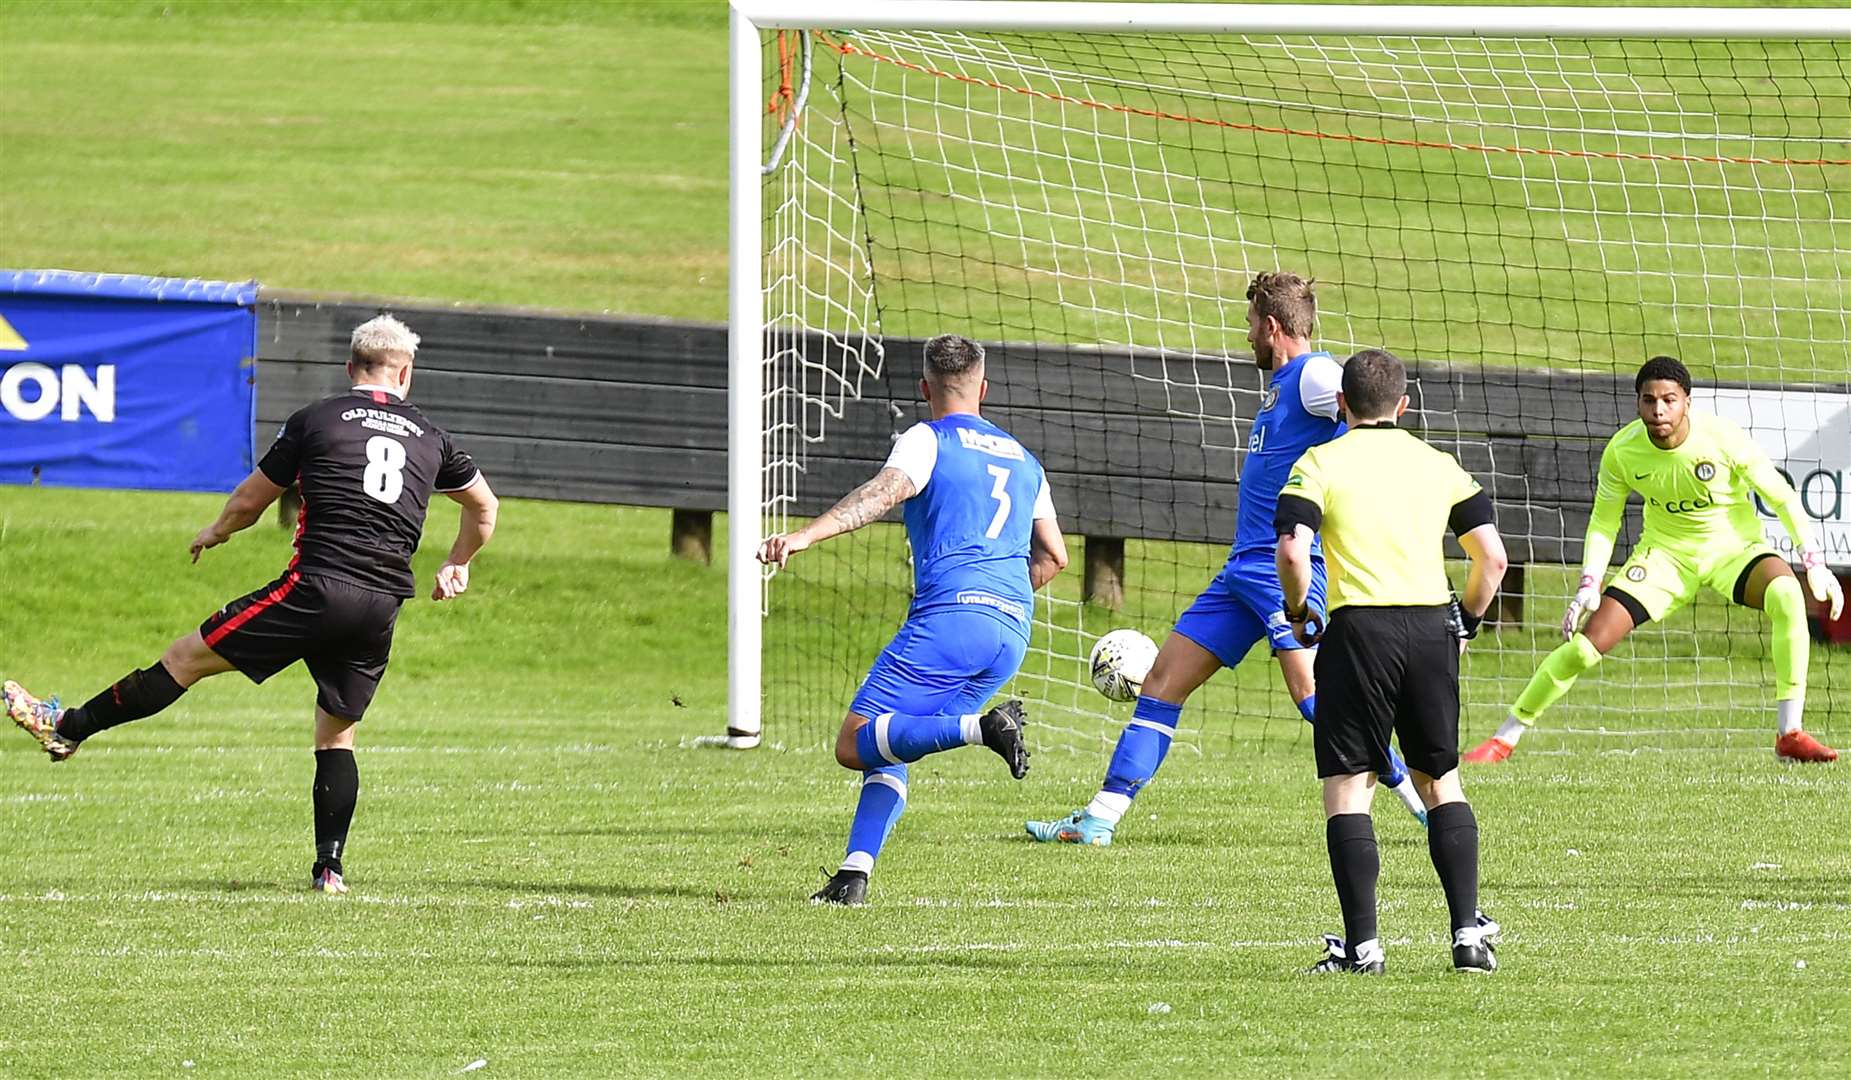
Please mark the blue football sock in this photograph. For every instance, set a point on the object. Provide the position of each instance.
(883, 799)
(1141, 746)
(894, 738)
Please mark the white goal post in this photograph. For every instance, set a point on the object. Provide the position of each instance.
(755, 477)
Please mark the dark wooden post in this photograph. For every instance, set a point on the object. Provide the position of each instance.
(1507, 606)
(691, 535)
(1105, 571)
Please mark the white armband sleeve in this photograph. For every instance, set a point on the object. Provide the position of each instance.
(915, 453)
(1044, 501)
(1318, 386)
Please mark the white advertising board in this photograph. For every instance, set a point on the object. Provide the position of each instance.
(1808, 434)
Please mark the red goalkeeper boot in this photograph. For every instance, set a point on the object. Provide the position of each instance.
(1489, 752)
(1799, 746)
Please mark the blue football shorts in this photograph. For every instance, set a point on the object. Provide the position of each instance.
(946, 661)
(1245, 605)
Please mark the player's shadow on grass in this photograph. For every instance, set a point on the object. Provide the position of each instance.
(230, 886)
(1820, 889)
(653, 831)
(801, 964)
(585, 888)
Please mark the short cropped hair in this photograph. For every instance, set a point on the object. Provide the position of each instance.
(1662, 367)
(1286, 297)
(950, 357)
(380, 336)
(1373, 382)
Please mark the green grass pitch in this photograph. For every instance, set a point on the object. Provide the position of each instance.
(546, 878)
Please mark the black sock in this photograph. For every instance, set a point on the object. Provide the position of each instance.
(135, 695)
(1355, 863)
(1452, 840)
(337, 786)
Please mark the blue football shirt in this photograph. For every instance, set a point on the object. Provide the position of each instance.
(1297, 412)
(977, 495)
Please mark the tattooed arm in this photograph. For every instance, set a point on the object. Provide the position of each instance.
(866, 504)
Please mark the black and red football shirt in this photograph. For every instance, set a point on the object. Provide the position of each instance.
(367, 463)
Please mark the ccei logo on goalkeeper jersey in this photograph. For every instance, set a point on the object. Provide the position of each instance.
(1704, 471)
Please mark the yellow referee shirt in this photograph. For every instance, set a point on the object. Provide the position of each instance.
(1382, 501)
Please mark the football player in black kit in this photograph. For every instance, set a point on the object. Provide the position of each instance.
(367, 463)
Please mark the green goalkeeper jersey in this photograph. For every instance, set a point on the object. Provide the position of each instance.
(1699, 497)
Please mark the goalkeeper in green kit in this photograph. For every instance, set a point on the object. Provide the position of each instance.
(1698, 474)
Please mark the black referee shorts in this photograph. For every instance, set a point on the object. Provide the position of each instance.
(1381, 670)
(342, 631)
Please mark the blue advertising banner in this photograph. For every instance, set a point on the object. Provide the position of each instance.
(111, 380)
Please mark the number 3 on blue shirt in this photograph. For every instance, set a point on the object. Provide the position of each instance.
(1002, 501)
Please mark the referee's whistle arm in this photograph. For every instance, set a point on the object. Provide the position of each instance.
(1485, 548)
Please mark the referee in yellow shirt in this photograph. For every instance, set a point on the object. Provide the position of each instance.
(1389, 662)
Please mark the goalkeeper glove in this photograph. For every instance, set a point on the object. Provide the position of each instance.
(1587, 599)
(1823, 583)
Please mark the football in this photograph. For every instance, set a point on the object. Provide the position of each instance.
(1120, 661)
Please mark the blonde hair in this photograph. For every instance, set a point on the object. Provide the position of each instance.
(380, 336)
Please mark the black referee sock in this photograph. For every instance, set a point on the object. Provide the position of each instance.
(1355, 863)
(337, 787)
(1452, 840)
(135, 695)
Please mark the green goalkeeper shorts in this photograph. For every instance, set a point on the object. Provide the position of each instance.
(1662, 581)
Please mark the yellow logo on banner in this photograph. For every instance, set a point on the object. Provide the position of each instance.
(10, 341)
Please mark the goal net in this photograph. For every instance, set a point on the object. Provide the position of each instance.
(1523, 219)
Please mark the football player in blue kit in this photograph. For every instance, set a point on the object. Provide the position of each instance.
(1243, 605)
(980, 519)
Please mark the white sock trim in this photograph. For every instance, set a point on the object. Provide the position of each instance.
(880, 738)
(1788, 712)
(859, 860)
(1511, 730)
(1366, 952)
(1109, 806)
(1162, 729)
(970, 726)
(885, 780)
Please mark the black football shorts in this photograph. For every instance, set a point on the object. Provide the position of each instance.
(1381, 670)
(342, 631)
